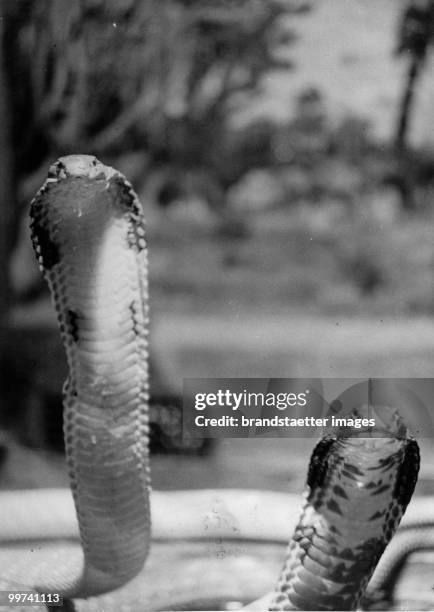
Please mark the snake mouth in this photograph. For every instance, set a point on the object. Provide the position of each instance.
(367, 421)
(79, 166)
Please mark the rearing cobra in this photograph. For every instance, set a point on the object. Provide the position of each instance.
(88, 232)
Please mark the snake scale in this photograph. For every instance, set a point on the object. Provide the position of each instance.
(88, 232)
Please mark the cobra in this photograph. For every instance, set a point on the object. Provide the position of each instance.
(358, 488)
(88, 234)
(88, 231)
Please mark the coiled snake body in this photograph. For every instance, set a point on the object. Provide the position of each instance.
(88, 233)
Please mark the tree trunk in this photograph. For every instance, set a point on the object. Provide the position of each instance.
(6, 203)
(406, 106)
(6, 182)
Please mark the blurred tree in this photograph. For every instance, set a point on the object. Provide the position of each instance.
(159, 76)
(416, 34)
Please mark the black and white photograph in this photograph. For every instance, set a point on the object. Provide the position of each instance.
(216, 305)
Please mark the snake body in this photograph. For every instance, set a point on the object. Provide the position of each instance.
(89, 236)
(88, 232)
(357, 491)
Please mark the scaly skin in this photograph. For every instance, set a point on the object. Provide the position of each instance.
(88, 232)
(357, 491)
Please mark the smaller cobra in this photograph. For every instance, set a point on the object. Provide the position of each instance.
(358, 488)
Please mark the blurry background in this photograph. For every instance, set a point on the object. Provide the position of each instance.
(284, 155)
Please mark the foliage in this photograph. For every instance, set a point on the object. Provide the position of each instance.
(156, 77)
(416, 28)
(415, 36)
(159, 75)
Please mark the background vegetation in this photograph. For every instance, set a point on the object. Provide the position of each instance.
(315, 209)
